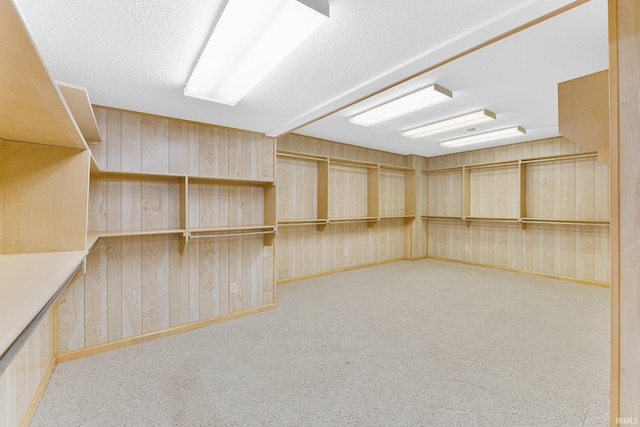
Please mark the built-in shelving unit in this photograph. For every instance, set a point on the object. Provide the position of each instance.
(467, 195)
(44, 178)
(160, 205)
(332, 190)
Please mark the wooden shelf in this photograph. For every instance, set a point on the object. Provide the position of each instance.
(311, 221)
(355, 219)
(31, 106)
(562, 157)
(135, 176)
(564, 221)
(230, 228)
(442, 170)
(428, 217)
(27, 283)
(396, 216)
(228, 181)
(491, 219)
(77, 100)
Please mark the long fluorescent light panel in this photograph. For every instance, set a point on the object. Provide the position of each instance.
(458, 122)
(483, 137)
(250, 39)
(418, 100)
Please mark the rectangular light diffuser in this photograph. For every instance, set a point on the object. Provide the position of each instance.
(458, 122)
(250, 39)
(483, 137)
(418, 100)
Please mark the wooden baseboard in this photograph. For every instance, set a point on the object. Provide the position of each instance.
(338, 270)
(101, 348)
(35, 400)
(515, 270)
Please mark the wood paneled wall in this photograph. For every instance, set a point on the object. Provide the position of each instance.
(571, 189)
(624, 64)
(305, 251)
(137, 285)
(141, 284)
(24, 380)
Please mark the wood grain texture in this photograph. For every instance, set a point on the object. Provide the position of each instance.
(137, 285)
(45, 193)
(625, 101)
(32, 107)
(22, 382)
(567, 189)
(303, 250)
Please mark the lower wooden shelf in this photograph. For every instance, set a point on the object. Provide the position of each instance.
(428, 217)
(28, 283)
(93, 236)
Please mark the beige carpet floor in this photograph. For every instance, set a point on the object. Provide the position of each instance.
(409, 343)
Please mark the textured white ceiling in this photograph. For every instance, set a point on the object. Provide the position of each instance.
(516, 78)
(137, 55)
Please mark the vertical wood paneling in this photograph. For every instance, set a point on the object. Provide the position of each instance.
(303, 250)
(567, 189)
(20, 381)
(137, 285)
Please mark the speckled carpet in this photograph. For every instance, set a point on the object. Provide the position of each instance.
(409, 343)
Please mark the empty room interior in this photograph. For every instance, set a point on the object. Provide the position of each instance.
(319, 212)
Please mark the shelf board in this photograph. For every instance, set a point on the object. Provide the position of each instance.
(564, 221)
(354, 163)
(302, 156)
(27, 283)
(574, 156)
(128, 175)
(31, 106)
(506, 163)
(397, 168)
(396, 216)
(97, 173)
(229, 181)
(353, 219)
(231, 228)
(78, 102)
(441, 217)
(302, 221)
(442, 170)
(491, 219)
(124, 233)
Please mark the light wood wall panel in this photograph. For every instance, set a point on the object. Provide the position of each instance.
(347, 191)
(161, 288)
(624, 55)
(297, 188)
(137, 142)
(303, 250)
(445, 193)
(392, 192)
(40, 186)
(419, 236)
(494, 192)
(568, 189)
(23, 381)
(141, 284)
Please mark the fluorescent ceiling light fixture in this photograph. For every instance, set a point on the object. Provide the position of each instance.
(465, 120)
(418, 100)
(483, 137)
(250, 39)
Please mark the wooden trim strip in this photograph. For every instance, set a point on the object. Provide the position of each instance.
(515, 270)
(614, 202)
(101, 348)
(338, 270)
(35, 400)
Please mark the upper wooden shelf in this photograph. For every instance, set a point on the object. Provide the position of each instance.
(31, 105)
(27, 283)
(347, 162)
(506, 163)
(78, 102)
(97, 173)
